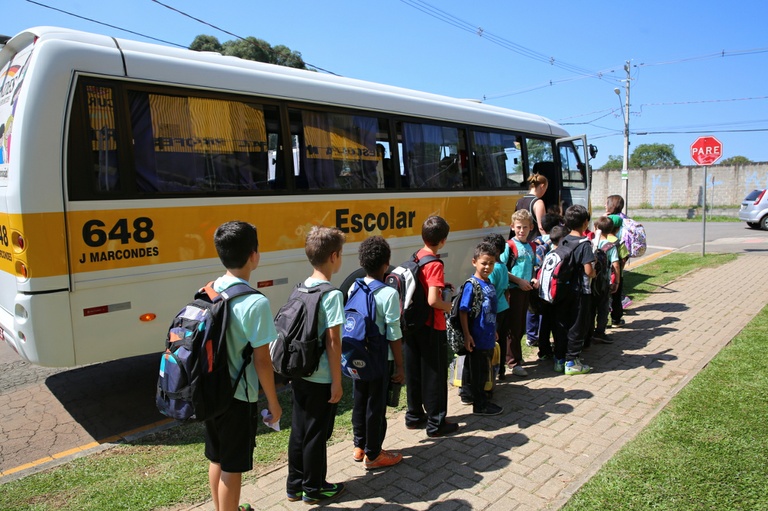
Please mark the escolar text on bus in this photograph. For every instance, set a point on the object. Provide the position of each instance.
(370, 222)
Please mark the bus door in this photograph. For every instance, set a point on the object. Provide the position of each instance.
(576, 178)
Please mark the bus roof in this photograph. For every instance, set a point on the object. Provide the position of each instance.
(157, 63)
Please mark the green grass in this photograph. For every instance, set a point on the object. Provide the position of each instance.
(683, 218)
(707, 448)
(168, 469)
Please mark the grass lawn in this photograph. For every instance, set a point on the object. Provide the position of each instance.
(686, 459)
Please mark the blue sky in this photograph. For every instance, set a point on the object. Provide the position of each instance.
(696, 67)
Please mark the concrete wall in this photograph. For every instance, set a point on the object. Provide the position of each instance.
(680, 186)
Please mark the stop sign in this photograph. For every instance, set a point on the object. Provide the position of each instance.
(706, 150)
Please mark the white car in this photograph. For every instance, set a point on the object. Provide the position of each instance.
(754, 210)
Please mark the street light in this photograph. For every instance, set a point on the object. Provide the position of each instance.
(625, 167)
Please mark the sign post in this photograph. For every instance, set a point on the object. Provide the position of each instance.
(705, 151)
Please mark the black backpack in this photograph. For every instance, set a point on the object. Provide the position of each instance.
(556, 275)
(297, 350)
(194, 382)
(601, 284)
(415, 309)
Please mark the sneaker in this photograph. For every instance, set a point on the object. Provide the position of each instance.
(244, 507)
(602, 338)
(466, 400)
(328, 492)
(383, 460)
(531, 342)
(448, 428)
(358, 454)
(559, 365)
(294, 496)
(419, 424)
(519, 371)
(576, 366)
(617, 322)
(489, 409)
(626, 302)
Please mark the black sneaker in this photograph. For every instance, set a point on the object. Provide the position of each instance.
(602, 338)
(329, 491)
(419, 424)
(447, 428)
(489, 409)
(466, 400)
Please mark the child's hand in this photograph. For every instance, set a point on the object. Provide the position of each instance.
(336, 392)
(535, 283)
(469, 343)
(399, 376)
(525, 285)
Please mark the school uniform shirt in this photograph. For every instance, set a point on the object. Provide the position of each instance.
(523, 267)
(433, 275)
(582, 255)
(331, 313)
(500, 280)
(483, 327)
(387, 313)
(250, 323)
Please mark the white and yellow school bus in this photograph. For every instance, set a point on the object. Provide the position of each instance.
(119, 159)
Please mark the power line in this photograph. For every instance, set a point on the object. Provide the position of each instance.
(105, 24)
(265, 48)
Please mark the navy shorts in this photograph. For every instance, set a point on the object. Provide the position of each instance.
(231, 438)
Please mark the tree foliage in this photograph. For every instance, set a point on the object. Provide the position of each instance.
(250, 48)
(653, 155)
(614, 163)
(736, 160)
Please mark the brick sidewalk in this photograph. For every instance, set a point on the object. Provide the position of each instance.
(556, 431)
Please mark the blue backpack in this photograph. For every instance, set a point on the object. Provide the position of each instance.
(363, 346)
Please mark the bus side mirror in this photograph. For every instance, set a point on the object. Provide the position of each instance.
(592, 151)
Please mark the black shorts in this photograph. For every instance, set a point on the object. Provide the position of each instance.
(231, 438)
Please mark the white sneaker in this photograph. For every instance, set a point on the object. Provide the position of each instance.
(519, 371)
(576, 367)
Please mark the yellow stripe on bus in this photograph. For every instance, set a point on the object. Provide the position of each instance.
(125, 238)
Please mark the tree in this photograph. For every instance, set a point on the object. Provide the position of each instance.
(250, 48)
(206, 43)
(736, 160)
(614, 162)
(653, 155)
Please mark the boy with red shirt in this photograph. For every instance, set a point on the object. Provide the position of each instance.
(426, 347)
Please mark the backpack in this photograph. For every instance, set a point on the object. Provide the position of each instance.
(601, 284)
(513, 255)
(633, 237)
(453, 319)
(363, 346)
(414, 308)
(194, 382)
(297, 350)
(556, 273)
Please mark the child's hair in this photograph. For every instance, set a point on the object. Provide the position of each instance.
(374, 252)
(535, 180)
(321, 243)
(575, 216)
(235, 242)
(522, 216)
(434, 230)
(497, 240)
(557, 233)
(549, 221)
(485, 248)
(614, 204)
(605, 225)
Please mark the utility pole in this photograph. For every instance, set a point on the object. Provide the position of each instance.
(625, 168)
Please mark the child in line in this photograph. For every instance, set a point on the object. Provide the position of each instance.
(532, 320)
(601, 302)
(316, 397)
(614, 204)
(573, 313)
(500, 279)
(231, 438)
(618, 290)
(369, 422)
(480, 333)
(426, 347)
(548, 323)
(521, 281)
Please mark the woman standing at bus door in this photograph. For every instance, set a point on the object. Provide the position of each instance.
(537, 187)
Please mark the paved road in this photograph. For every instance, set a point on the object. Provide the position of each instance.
(48, 414)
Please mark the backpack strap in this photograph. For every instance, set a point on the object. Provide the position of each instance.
(322, 288)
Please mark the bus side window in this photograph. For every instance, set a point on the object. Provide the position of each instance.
(434, 157)
(498, 159)
(102, 130)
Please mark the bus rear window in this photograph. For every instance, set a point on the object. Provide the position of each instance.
(103, 135)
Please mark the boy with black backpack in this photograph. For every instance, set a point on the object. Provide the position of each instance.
(426, 345)
(574, 309)
(369, 423)
(230, 438)
(606, 264)
(316, 397)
